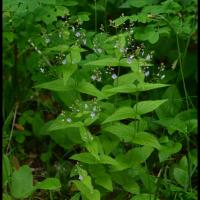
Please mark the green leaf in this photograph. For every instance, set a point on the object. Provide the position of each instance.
(49, 184)
(172, 106)
(146, 33)
(169, 149)
(85, 158)
(104, 62)
(144, 138)
(144, 107)
(119, 21)
(22, 182)
(173, 124)
(122, 131)
(75, 54)
(68, 70)
(181, 176)
(127, 180)
(144, 196)
(6, 197)
(132, 88)
(57, 85)
(59, 125)
(59, 48)
(86, 136)
(129, 78)
(104, 159)
(6, 170)
(105, 181)
(132, 158)
(121, 113)
(90, 89)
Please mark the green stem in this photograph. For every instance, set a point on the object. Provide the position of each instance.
(105, 19)
(95, 5)
(181, 70)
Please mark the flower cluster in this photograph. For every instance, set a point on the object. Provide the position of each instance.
(80, 108)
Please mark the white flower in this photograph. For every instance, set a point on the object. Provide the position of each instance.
(42, 70)
(148, 57)
(69, 120)
(130, 58)
(80, 177)
(84, 42)
(93, 77)
(99, 50)
(147, 73)
(92, 114)
(39, 52)
(114, 76)
(77, 34)
(64, 61)
(94, 108)
(99, 79)
(162, 77)
(47, 40)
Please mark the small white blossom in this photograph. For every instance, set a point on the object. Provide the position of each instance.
(39, 52)
(147, 73)
(99, 79)
(114, 76)
(93, 77)
(77, 34)
(84, 42)
(94, 108)
(69, 120)
(47, 40)
(130, 58)
(92, 114)
(42, 70)
(80, 177)
(99, 50)
(148, 57)
(64, 61)
(162, 77)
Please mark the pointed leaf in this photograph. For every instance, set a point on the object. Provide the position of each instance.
(22, 182)
(104, 62)
(49, 184)
(144, 107)
(88, 88)
(57, 85)
(121, 113)
(85, 158)
(144, 138)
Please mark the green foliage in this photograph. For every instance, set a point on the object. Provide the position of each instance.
(103, 102)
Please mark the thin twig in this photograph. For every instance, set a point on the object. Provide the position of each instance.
(13, 123)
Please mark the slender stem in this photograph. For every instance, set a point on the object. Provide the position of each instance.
(95, 5)
(105, 15)
(181, 70)
(11, 133)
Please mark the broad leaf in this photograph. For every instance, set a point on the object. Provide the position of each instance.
(85, 158)
(22, 182)
(88, 88)
(144, 138)
(104, 62)
(121, 113)
(144, 107)
(49, 184)
(57, 85)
